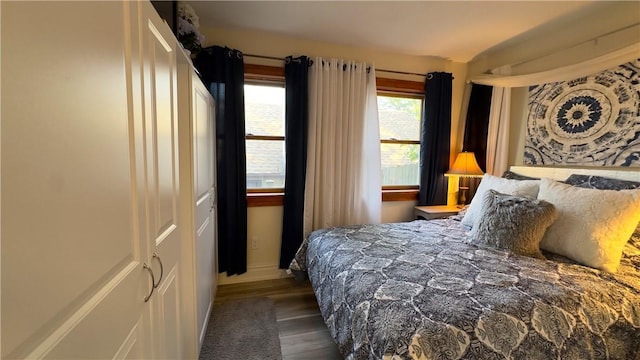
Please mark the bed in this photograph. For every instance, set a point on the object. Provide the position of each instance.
(423, 290)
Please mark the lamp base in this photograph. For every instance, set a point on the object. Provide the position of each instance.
(462, 197)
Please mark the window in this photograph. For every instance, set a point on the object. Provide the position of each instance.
(400, 139)
(264, 126)
(399, 105)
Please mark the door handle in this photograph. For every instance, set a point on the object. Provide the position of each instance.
(155, 256)
(153, 280)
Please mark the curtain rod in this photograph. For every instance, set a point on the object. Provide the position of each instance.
(380, 70)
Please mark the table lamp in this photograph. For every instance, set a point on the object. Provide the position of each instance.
(465, 167)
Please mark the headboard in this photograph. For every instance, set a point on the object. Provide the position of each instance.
(562, 173)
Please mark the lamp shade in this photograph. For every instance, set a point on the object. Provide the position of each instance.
(465, 165)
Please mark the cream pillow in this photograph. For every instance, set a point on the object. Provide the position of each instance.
(525, 188)
(593, 226)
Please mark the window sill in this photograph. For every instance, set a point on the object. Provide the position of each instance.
(265, 199)
(277, 199)
(400, 195)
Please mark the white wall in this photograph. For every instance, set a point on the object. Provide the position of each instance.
(397, 211)
(265, 223)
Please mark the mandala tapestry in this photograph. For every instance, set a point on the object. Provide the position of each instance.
(589, 121)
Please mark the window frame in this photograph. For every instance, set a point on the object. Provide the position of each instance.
(394, 190)
(274, 75)
(266, 76)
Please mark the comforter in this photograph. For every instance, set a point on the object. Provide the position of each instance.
(417, 290)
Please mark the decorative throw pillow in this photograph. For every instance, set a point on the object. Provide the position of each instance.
(593, 226)
(601, 183)
(513, 223)
(605, 183)
(528, 188)
(515, 176)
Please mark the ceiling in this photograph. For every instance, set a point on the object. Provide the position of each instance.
(455, 30)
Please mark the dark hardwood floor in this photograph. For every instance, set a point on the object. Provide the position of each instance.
(303, 334)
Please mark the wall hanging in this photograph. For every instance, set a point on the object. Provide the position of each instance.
(589, 121)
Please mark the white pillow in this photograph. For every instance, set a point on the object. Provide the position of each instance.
(525, 188)
(592, 225)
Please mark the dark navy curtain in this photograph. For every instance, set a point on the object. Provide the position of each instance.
(222, 71)
(475, 131)
(296, 72)
(435, 139)
(477, 123)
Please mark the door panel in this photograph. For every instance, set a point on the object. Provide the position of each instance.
(100, 322)
(162, 75)
(203, 160)
(170, 321)
(205, 274)
(131, 348)
(202, 135)
(162, 181)
(70, 245)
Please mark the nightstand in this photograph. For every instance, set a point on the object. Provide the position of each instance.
(436, 211)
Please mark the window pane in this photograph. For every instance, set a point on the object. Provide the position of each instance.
(264, 110)
(265, 164)
(399, 117)
(400, 163)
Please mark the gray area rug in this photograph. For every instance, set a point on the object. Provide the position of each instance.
(242, 330)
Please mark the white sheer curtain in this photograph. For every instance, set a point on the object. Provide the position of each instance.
(498, 132)
(343, 184)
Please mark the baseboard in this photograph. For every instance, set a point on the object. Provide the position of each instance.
(254, 273)
(203, 331)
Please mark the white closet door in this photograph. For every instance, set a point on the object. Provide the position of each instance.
(161, 180)
(204, 190)
(197, 161)
(72, 276)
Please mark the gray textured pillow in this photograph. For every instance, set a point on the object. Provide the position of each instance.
(513, 223)
(527, 188)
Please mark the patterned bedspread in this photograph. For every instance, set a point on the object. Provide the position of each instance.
(417, 291)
